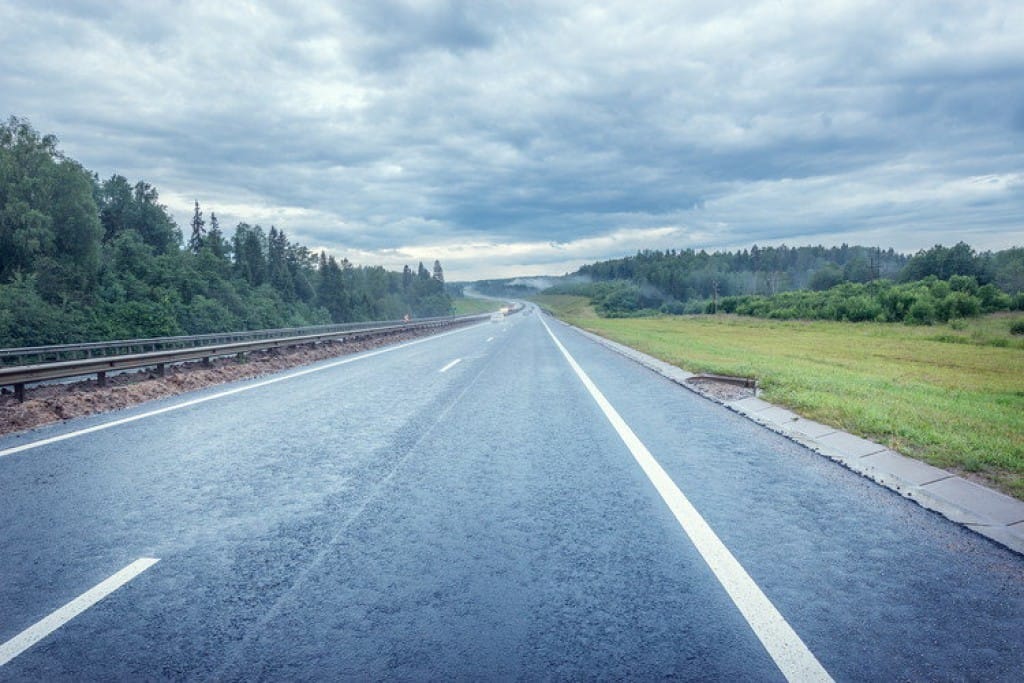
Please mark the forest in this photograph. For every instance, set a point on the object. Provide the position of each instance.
(852, 283)
(84, 259)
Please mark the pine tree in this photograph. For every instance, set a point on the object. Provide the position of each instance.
(195, 242)
(277, 266)
(438, 272)
(215, 241)
(331, 293)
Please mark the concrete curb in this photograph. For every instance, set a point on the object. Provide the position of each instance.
(989, 513)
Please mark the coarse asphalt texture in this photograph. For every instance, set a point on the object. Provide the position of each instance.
(379, 518)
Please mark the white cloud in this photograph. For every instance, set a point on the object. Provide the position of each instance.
(367, 125)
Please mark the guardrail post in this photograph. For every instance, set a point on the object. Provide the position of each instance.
(19, 392)
(101, 379)
(161, 369)
(206, 362)
(240, 356)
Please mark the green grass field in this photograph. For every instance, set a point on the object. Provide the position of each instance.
(952, 396)
(467, 306)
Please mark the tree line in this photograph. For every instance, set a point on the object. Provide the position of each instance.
(83, 259)
(810, 282)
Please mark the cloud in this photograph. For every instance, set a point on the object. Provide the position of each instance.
(487, 134)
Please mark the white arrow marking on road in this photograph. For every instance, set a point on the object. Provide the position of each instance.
(47, 625)
(785, 647)
(450, 365)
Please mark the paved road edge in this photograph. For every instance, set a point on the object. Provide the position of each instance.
(990, 513)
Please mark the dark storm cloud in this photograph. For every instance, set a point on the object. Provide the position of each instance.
(521, 137)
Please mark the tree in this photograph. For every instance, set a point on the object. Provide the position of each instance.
(215, 241)
(826, 277)
(278, 273)
(116, 206)
(438, 272)
(48, 212)
(198, 237)
(331, 292)
(250, 247)
(151, 220)
(85, 260)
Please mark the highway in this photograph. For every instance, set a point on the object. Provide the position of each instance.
(504, 501)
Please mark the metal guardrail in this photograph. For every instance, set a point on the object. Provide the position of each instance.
(19, 376)
(56, 352)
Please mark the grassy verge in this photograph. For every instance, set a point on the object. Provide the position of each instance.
(951, 396)
(467, 306)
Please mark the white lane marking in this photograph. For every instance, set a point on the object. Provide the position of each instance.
(490, 339)
(450, 365)
(47, 625)
(791, 655)
(229, 392)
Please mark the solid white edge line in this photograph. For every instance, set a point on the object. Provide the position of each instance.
(791, 655)
(450, 365)
(48, 624)
(229, 392)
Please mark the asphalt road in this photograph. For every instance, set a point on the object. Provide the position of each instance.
(379, 518)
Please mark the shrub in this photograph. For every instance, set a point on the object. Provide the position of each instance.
(861, 308)
(960, 305)
(921, 312)
(992, 299)
(620, 301)
(963, 283)
(1017, 327)
(673, 308)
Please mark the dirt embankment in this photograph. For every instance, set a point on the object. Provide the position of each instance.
(56, 402)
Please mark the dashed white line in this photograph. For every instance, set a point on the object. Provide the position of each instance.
(490, 339)
(47, 625)
(450, 365)
(222, 394)
(791, 655)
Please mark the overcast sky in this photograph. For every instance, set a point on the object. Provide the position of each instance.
(531, 137)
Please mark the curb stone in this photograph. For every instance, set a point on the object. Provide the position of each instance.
(992, 514)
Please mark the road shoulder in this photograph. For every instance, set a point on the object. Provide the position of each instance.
(990, 513)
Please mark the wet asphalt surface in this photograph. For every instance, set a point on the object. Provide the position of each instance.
(384, 520)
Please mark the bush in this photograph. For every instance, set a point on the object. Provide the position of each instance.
(620, 301)
(860, 308)
(963, 283)
(992, 299)
(1017, 327)
(673, 308)
(960, 305)
(921, 312)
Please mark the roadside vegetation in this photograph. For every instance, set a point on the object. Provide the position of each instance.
(84, 259)
(949, 394)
